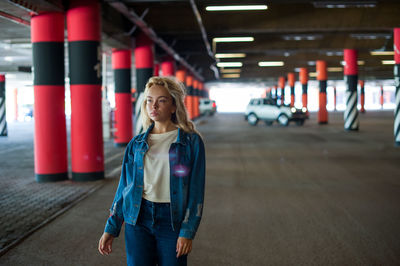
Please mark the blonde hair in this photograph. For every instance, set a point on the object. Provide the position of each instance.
(178, 92)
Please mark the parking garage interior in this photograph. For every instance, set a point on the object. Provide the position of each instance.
(322, 192)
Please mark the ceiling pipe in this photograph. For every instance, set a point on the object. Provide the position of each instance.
(204, 35)
(14, 18)
(132, 16)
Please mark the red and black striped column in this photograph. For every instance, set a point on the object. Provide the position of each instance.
(121, 64)
(281, 84)
(303, 76)
(322, 76)
(274, 95)
(156, 70)
(195, 98)
(50, 138)
(351, 77)
(168, 67)
(291, 82)
(83, 23)
(381, 99)
(396, 37)
(3, 120)
(144, 62)
(362, 96)
(334, 98)
(189, 97)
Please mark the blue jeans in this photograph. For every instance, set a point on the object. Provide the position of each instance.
(152, 241)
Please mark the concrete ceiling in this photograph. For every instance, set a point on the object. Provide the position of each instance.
(323, 33)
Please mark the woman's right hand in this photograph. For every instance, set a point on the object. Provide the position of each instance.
(105, 244)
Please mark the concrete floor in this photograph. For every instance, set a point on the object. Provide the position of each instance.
(311, 195)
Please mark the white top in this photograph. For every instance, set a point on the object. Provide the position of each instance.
(156, 167)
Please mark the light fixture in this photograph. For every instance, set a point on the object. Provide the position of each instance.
(231, 75)
(229, 64)
(8, 59)
(302, 37)
(231, 70)
(344, 4)
(370, 36)
(236, 8)
(382, 52)
(359, 62)
(271, 63)
(233, 39)
(234, 55)
(388, 62)
(335, 69)
(312, 74)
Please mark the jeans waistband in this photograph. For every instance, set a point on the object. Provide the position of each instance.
(151, 203)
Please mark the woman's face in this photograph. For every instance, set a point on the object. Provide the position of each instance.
(159, 104)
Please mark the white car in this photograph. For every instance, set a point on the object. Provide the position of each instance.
(207, 106)
(267, 110)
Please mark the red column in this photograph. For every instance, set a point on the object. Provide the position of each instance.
(362, 96)
(121, 63)
(83, 23)
(50, 138)
(351, 77)
(195, 98)
(168, 67)
(281, 84)
(181, 76)
(322, 76)
(303, 76)
(189, 101)
(156, 70)
(291, 81)
(396, 44)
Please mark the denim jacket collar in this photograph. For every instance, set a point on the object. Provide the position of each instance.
(181, 139)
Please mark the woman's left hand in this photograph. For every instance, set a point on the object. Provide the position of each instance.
(183, 246)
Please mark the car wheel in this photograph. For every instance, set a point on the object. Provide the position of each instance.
(269, 123)
(283, 120)
(300, 122)
(252, 119)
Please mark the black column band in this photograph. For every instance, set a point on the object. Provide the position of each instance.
(304, 87)
(84, 62)
(122, 79)
(351, 81)
(2, 89)
(48, 63)
(322, 86)
(142, 76)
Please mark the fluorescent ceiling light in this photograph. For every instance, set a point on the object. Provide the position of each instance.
(229, 64)
(233, 39)
(302, 37)
(8, 58)
(312, 74)
(232, 70)
(311, 63)
(236, 8)
(234, 55)
(231, 76)
(359, 62)
(271, 63)
(370, 36)
(344, 4)
(382, 52)
(335, 69)
(388, 62)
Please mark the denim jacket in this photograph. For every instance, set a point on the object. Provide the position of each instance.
(187, 179)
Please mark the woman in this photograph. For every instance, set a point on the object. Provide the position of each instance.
(161, 189)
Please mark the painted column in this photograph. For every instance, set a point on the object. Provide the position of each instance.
(181, 76)
(189, 101)
(281, 84)
(362, 96)
(144, 62)
(334, 98)
(322, 76)
(303, 76)
(168, 67)
(381, 100)
(291, 81)
(3, 121)
(156, 70)
(195, 98)
(351, 122)
(397, 84)
(50, 137)
(121, 64)
(83, 24)
(275, 94)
